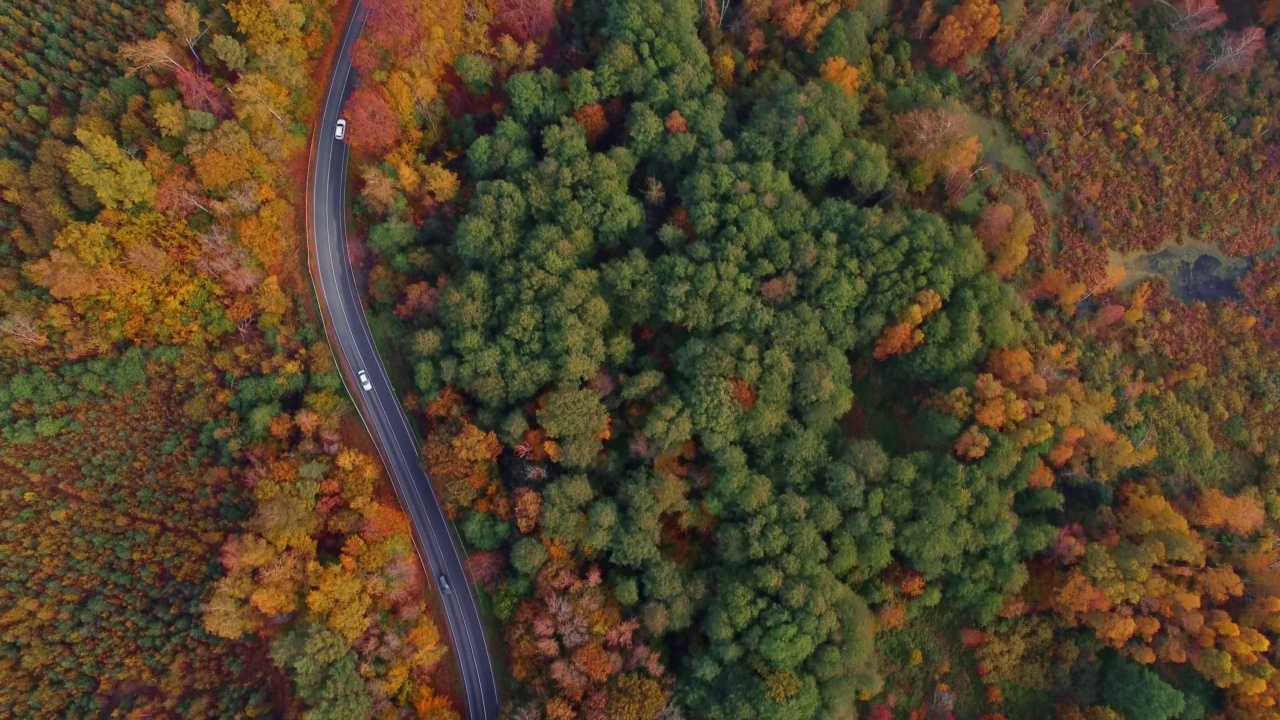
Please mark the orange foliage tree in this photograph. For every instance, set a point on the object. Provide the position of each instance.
(966, 30)
(839, 71)
(461, 459)
(905, 335)
(1150, 586)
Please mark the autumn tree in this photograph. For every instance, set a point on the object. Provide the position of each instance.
(1235, 51)
(374, 126)
(904, 336)
(965, 31)
(845, 76)
(1004, 233)
(939, 140)
(1192, 17)
(1241, 515)
(119, 180)
(636, 697)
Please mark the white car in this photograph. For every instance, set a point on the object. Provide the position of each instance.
(364, 381)
(341, 131)
(444, 585)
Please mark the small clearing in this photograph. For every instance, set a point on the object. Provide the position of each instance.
(1196, 271)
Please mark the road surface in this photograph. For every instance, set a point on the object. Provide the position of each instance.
(380, 409)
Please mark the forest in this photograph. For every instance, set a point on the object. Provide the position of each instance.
(189, 529)
(794, 359)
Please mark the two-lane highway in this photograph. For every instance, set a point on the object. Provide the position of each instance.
(349, 336)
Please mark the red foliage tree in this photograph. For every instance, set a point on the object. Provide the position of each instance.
(972, 638)
(374, 128)
(393, 25)
(419, 300)
(486, 566)
(994, 224)
(593, 121)
(675, 123)
(1108, 315)
(199, 92)
(177, 195)
(1253, 239)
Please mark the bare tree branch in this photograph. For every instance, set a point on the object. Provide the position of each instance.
(21, 328)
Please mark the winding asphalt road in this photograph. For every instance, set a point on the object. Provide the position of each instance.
(348, 329)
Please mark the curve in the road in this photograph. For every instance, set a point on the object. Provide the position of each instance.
(438, 545)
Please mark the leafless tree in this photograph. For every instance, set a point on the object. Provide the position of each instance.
(714, 11)
(1121, 43)
(182, 196)
(148, 260)
(242, 278)
(21, 328)
(186, 23)
(148, 54)
(248, 90)
(1192, 17)
(1235, 50)
(244, 199)
(931, 129)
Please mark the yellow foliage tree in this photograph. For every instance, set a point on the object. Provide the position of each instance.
(338, 596)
